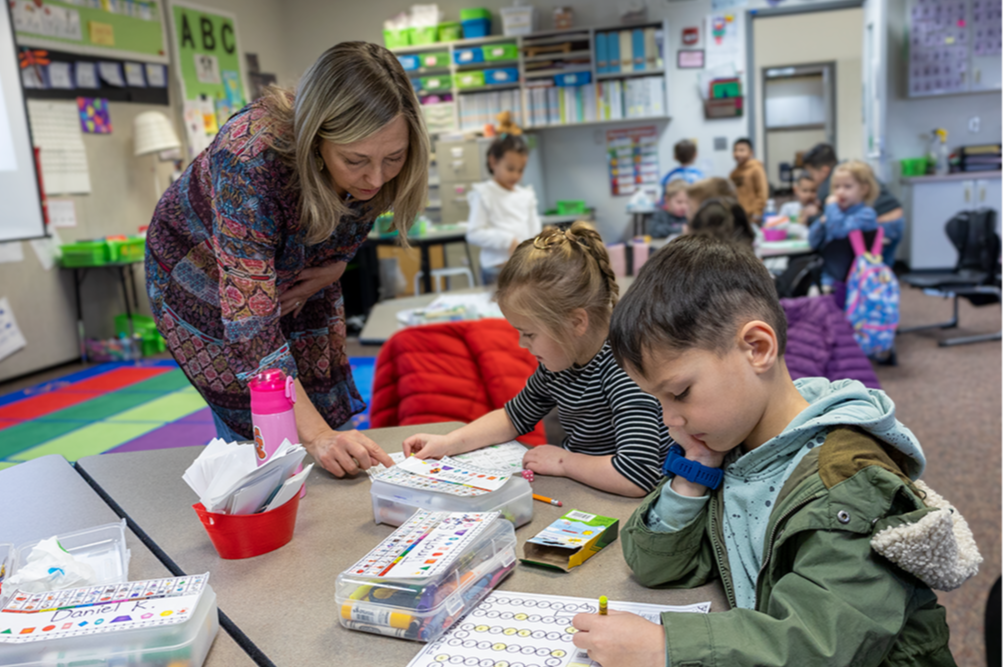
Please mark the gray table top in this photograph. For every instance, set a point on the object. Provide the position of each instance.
(284, 600)
(46, 497)
(382, 321)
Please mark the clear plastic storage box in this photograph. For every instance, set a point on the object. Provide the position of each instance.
(393, 504)
(422, 609)
(102, 547)
(180, 645)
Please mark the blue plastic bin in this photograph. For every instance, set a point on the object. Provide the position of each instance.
(476, 28)
(501, 75)
(573, 79)
(416, 84)
(468, 56)
(409, 63)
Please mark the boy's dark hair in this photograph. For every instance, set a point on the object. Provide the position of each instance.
(744, 140)
(723, 218)
(505, 143)
(696, 292)
(685, 151)
(821, 155)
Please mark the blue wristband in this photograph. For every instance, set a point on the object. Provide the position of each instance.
(676, 463)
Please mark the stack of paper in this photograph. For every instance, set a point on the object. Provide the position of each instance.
(228, 480)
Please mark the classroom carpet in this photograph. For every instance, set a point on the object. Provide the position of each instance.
(119, 407)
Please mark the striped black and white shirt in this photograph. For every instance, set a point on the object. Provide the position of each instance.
(603, 412)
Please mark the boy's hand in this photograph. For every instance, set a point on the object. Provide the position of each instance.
(546, 460)
(426, 446)
(697, 451)
(619, 639)
(809, 211)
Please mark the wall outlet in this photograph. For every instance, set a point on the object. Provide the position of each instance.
(974, 125)
(720, 143)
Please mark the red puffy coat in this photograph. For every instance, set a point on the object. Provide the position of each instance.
(450, 372)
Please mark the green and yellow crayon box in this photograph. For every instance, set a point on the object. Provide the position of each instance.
(571, 540)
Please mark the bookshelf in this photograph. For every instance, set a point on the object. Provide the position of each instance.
(596, 97)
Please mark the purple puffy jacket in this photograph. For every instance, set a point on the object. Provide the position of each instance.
(820, 342)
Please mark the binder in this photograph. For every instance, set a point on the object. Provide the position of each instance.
(651, 54)
(602, 60)
(626, 51)
(637, 48)
(612, 52)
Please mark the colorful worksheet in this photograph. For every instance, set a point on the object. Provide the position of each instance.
(424, 546)
(512, 629)
(400, 477)
(506, 457)
(448, 469)
(29, 617)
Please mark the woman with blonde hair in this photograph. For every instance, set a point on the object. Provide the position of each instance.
(245, 251)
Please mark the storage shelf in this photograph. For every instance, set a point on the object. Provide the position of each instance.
(488, 88)
(591, 123)
(582, 53)
(555, 38)
(555, 71)
(627, 75)
(492, 64)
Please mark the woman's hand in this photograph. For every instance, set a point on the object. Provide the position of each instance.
(309, 282)
(346, 452)
(620, 639)
(546, 460)
(425, 446)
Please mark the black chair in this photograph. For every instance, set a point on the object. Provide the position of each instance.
(976, 276)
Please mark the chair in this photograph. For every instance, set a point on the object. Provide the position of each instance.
(976, 276)
(445, 272)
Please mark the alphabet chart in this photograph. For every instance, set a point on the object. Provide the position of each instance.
(400, 477)
(29, 617)
(450, 470)
(424, 546)
(511, 629)
(505, 457)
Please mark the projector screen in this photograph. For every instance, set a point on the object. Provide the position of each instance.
(21, 209)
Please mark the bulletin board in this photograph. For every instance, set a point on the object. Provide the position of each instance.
(632, 156)
(954, 46)
(122, 29)
(207, 56)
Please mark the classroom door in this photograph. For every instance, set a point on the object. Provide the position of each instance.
(798, 112)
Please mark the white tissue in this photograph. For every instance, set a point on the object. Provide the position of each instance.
(50, 568)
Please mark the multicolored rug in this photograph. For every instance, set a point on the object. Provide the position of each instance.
(118, 407)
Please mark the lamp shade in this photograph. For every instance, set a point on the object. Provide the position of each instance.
(154, 133)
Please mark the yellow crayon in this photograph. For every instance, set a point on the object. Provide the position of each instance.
(603, 602)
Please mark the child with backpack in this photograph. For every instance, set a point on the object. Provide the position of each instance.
(854, 189)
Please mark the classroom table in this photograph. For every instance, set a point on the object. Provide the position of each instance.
(44, 497)
(284, 600)
(788, 248)
(435, 235)
(382, 321)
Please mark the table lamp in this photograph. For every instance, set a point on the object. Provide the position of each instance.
(153, 132)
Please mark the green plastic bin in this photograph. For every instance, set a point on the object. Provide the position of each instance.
(500, 52)
(450, 31)
(913, 166)
(475, 13)
(435, 83)
(571, 207)
(395, 39)
(85, 253)
(473, 79)
(427, 35)
(127, 250)
(145, 329)
(437, 59)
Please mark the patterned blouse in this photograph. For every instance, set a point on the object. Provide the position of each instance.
(224, 243)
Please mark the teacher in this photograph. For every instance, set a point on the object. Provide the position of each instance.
(245, 251)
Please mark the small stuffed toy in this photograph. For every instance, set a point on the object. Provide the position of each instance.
(505, 124)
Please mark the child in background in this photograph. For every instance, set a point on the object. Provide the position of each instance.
(502, 213)
(854, 190)
(686, 154)
(709, 188)
(723, 218)
(558, 290)
(820, 161)
(670, 218)
(749, 179)
(803, 208)
(801, 497)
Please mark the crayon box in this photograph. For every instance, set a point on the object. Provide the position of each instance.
(570, 541)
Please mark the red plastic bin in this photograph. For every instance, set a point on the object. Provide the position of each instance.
(248, 535)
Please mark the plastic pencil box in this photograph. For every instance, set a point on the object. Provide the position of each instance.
(376, 595)
(393, 504)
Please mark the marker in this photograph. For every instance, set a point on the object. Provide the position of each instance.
(549, 501)
(603, 602)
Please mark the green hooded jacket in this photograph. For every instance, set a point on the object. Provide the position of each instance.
(852, 551)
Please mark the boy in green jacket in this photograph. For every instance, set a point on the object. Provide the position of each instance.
(801, 497)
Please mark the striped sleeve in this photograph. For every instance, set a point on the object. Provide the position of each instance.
(531, 404)
(642, 440)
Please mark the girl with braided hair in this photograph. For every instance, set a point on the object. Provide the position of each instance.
(558, 291)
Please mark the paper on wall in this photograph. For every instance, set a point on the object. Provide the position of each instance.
(62, 213)
(134, 75)
(55, 130)
(11, 339)
(59, 75)
(47, 249)
(198, 141)
(86, 74)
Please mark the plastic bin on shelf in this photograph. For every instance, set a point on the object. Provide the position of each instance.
(476, 22)
(395, 39)
(500, 52)
(571, 207)
(436, 83)
(518, 20)
(450, 31)
(501, 75)
(422, 609)
(425, 35)
(409, 62)
(573, 79)
(436, 59)
(84, 253)
(126, 248)
(473, 79)
(468, 56)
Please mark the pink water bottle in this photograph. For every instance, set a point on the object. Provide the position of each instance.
(272, 397)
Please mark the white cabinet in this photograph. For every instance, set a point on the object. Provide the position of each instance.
(933, 200)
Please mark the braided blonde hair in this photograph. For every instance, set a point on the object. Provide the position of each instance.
(557, 272)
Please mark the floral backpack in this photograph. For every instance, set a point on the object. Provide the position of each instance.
(872, 297)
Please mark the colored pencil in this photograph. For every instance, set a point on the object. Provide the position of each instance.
(550, 501)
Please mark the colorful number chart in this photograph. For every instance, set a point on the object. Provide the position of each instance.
(30, 617)
(424, 546)
(512, 629)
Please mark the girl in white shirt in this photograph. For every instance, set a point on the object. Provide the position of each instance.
(502, 212)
